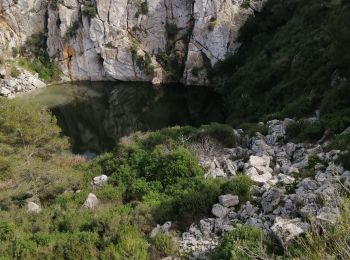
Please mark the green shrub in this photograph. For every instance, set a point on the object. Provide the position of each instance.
(35, 58)
(245, 4)
(246, 242)
(222, 133)
(54, 4)
(195, 71)
(144, 63)
(171, 30)
(164, 244)
(241, 186)
(72, 30)
(14, 72)
(212, 23)
(30, 127)
(144, 8)
(108, 193)
(130, 245)
(14, 52)
(253, 128)
(305, 131)
(340, 142)
(89, 10)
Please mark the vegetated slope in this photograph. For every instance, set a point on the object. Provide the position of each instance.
(294, 60)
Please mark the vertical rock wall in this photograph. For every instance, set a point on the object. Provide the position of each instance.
(130, 40)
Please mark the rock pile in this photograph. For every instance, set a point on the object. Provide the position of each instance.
(25, 82)
(285, 195)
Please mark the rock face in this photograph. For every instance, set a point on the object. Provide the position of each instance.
(155, 40)
(18, 20)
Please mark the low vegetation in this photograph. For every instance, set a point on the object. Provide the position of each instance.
(153, 178)
(89, 10)
(34, 58)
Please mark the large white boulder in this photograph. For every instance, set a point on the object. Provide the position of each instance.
(91, 201)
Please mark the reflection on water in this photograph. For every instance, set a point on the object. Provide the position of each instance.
(96, 115)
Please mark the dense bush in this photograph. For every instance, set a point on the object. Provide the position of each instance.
(89, 10)
(241, 186)
(31, 128)
(293, 60)
(246, 242)
(305, 131)
(35, 58)
(164, 244)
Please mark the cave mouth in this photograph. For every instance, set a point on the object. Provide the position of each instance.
(95, 115)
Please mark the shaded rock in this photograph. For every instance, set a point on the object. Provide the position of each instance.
(329, 215)
(219, 211)
(286, 230)
(164, 229)
(228, 200)
(270, 200)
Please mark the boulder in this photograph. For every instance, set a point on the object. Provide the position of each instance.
(258, 178)
(99, 181)
(256, 161)
(270, 200)
(328, 215)
(219, 211)
(163, 229)
(286, 230)
(91, 201)
(228, 200)
(32, 207)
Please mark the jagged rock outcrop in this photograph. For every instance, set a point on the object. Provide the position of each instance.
(155, 40)
(18, 20)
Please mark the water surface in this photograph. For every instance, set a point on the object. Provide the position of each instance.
(95, 115)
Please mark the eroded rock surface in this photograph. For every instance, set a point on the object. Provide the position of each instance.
(154, 40)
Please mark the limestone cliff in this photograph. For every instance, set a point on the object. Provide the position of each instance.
(130, 40)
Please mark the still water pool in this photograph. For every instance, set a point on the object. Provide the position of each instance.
(95, 115)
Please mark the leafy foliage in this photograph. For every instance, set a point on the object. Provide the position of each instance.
(35, 58)
(293, 60)
(89, 10)
(30, 127)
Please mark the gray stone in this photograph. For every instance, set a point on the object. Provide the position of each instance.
(219, 211)
(99, 181)
(228, 200)
(328, 215)
(270, 200)
(258, 178)
(287, 230)
(91, 201)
